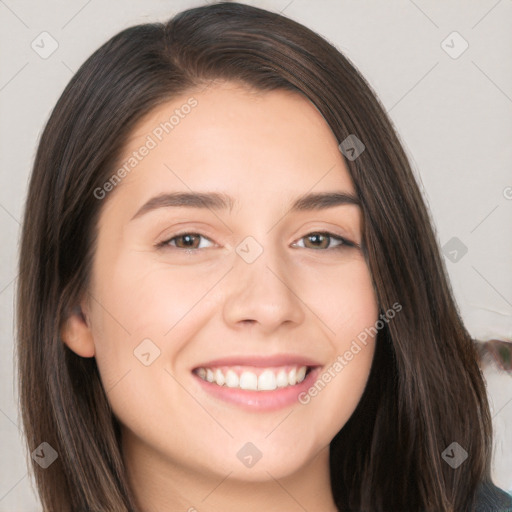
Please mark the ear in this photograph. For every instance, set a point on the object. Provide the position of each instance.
(76, 332)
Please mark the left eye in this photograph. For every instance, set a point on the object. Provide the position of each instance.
(320, 240)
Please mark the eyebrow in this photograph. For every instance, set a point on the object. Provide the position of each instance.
(219, 201)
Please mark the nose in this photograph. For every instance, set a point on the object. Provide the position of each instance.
(262, 294)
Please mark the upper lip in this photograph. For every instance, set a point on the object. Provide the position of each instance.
(260, 361)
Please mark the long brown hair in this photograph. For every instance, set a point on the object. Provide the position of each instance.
(425, 390)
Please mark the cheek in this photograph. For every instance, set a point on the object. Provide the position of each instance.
(342, 297)
(145, 298)
(349, 309)
(146, 311)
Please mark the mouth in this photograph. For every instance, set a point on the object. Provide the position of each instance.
(254, 378)
(257, 383)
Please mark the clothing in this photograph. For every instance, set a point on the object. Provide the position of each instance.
(492, 499)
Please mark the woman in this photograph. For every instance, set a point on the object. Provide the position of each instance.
(165, 375)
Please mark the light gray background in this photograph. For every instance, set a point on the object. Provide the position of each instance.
(454, 116)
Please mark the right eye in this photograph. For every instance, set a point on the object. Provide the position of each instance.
(185, 241)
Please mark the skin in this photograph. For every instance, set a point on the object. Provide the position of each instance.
(180, 443)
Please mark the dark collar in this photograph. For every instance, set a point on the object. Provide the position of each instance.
(492, 499)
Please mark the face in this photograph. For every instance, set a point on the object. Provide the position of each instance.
(247, 287)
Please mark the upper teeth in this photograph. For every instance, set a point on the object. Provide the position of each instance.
(267, 380)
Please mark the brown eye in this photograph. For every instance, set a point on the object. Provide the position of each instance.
(189, 241)
(319, 240)
(184, 241)
(322, 240)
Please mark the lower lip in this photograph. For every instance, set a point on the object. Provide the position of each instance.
(260, 400)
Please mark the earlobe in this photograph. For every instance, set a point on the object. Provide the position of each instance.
(76, 333)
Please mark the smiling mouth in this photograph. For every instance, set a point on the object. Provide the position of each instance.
(254, 378)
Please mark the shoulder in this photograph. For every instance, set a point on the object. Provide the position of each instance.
(492, 499)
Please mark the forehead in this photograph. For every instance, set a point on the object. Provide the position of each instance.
(260, 143)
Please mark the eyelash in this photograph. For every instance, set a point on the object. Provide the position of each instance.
(343, 245)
